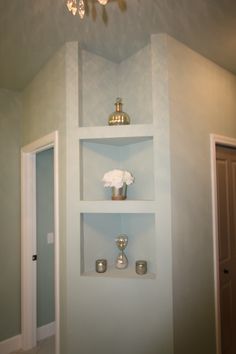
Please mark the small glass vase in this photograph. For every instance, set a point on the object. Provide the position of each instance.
(119, 193)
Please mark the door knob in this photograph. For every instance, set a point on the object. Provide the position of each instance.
(226, 271)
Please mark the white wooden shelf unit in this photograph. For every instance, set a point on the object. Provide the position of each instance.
(95, 239)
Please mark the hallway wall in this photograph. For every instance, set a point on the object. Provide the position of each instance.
(202, 100)
(44, 103)
(192, 97)
(10, 127)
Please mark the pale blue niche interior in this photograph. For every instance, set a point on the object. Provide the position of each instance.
(98, 233)
(104, 80)
(97, 159)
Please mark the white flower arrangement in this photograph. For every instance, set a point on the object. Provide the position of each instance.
(117, 178)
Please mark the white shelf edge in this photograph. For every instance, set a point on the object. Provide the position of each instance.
(115, 273)
(111, 132)
(124, 206)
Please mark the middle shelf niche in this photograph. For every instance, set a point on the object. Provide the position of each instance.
(98, 158)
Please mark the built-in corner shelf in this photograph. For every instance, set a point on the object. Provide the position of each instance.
(124, 206)
(118, 273)
(116, 135)
(102, 148)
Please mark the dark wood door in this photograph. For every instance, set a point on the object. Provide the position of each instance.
(226, 199)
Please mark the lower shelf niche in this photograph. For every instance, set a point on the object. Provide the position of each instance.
(98, 234)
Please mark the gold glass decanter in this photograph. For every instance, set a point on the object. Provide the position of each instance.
(119, 117)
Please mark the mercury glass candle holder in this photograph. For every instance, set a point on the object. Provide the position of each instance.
(101, 265)
(141, 267)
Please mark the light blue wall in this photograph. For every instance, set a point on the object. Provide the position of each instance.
(10, 128)
(119, 315)
(98, 79)
(44, 111)
(45, 225)
(191, 97)
(102, 81)
(135, 86)
(202, 100)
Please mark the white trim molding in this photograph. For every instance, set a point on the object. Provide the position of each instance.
(10, 345)
(215, 140)
(46, 331)
(28, 248)
(28, 239)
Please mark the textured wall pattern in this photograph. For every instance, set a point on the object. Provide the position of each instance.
(10, 114)
(102, 81)
(202, 101)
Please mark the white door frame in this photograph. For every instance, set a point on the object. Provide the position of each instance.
(28, 240)
(222, 140)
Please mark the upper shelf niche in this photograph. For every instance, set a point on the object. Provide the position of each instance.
(102, 81)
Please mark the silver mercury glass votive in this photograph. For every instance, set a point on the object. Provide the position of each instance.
(101, 265)
(141, 267)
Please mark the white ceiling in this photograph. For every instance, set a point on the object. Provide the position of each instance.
(32, 30)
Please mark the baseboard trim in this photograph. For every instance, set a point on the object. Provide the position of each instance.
(10, 345)
(13, 344)
(45, 331)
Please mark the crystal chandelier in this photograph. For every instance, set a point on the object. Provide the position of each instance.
(75, 6)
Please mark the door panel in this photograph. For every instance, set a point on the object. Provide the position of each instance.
(226, 318)
(234, 206)
(223, 209)
(226, 200)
